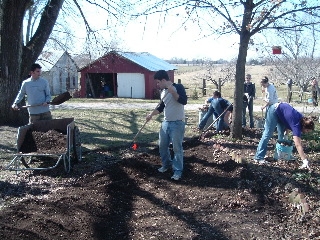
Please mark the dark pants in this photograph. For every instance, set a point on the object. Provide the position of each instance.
(248, 105)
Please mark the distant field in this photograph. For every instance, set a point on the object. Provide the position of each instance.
(192, 76)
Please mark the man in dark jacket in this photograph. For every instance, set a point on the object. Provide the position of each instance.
(249, 95)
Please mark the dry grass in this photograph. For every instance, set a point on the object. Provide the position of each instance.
(192, 78)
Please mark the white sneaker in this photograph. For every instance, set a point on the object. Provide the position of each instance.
(176, 176)
(162, 169)
(261, 161)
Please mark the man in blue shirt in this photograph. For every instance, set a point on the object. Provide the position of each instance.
(38, 95)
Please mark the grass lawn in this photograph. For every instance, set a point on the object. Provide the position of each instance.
(101, 129)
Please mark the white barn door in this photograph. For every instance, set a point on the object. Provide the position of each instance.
(131, 85)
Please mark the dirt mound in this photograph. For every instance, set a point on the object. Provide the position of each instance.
(123, 196)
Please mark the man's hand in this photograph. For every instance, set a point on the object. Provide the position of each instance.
(148, 117)
(15, 107)
(171, 89)
(305, 164)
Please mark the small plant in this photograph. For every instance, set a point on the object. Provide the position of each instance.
(302, 177)
(195, 95)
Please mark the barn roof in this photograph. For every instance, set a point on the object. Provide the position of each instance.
(147, 61)
(143, 59)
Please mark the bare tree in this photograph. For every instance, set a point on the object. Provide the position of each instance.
(244, 18)
(219, 74)
(297, 61)
(18, 53)
(15, 56)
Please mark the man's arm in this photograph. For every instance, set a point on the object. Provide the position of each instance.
(19, 97)
(47, 92)
(180, 95)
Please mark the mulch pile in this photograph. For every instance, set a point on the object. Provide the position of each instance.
(51, 141)
(119, 194)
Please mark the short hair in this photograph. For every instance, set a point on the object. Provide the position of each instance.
(307, 123)
(161, 74)
(248, 75)
(35, 66)
(265, 80)
(217, 94)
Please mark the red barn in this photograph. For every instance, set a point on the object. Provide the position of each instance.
(123, 74)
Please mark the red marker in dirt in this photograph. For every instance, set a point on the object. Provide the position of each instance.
(135, 146)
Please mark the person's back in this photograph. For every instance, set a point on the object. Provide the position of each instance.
(218, 106)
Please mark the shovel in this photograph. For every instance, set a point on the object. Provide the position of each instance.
(56, 101)
(134, 145)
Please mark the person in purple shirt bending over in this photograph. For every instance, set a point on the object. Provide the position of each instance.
(284, 117)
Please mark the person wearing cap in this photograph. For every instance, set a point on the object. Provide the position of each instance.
(38, 95)
(249, 95)
(172, 129)
(285, 118)
(271, 96)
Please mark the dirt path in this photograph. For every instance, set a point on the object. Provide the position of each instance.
(188, 107)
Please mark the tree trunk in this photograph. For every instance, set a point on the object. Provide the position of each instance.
(11, 18)
(16, 58)
(236, 131)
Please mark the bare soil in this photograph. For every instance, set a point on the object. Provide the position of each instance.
(119, 194)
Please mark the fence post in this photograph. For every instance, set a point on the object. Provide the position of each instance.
(219, 85)
(204, 87)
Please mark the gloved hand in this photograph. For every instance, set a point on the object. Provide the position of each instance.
(305, 164)
(15, 107)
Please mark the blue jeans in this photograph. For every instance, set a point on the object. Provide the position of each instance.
(172, 132)
(271, 123)
(248, 105)
(206, 117)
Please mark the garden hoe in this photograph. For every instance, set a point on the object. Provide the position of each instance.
(134, 145)
(56, 101)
